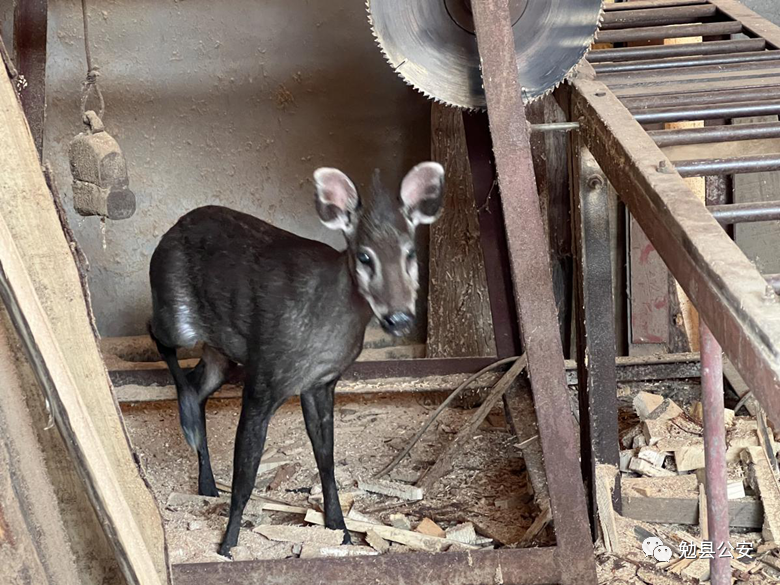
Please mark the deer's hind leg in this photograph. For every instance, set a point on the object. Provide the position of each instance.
(206, 378)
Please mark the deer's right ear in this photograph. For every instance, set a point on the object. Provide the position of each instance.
(337, 199)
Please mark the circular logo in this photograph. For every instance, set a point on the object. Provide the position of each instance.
(649, 545)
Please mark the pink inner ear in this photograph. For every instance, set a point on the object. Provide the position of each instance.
(422, 182)
(335, 188)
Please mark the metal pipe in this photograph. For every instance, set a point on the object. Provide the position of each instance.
(715, 134)
(682, 62)
(709, 98)
(758, 163)
(555, 127)
(715, 455)
(649, 33)
(657, 16)
(746, 212)
(669, 51)
(707, 112)
(637, 4)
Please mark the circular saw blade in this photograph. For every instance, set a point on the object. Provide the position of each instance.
(432, 46)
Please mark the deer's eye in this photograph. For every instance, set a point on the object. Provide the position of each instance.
(411, 255)
(364, 258)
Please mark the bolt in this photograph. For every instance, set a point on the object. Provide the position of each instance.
(595, 182)
(663, 167)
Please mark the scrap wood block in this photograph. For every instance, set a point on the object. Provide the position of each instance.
(302, 534)
(744, 434)
(390, 488)
(313, 551)
(413, 540)
(355, 515)
(646, 468)
(763, 481)
(625, 458)
(376, 542)
(429, 527)
(463, 533)
(652, 455)
(627, 439)
(664, 435)
(400, 521)
(605, 485)
(696, 412)
(645, 403)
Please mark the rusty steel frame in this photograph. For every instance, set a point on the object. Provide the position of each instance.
(533, 290)
(30, 26)
(534, 566)
(726, 288)
(596, 367)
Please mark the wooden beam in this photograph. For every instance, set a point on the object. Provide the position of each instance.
(459, 317)
(34, 543)
(42, 291)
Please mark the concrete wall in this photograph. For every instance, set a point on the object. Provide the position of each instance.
(767, 8)
(233, 103)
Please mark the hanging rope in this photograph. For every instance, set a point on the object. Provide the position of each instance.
(90, 84)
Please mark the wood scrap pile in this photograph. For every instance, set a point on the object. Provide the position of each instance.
(662, 482)
(298, 531)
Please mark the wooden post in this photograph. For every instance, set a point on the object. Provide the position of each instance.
(459, 317)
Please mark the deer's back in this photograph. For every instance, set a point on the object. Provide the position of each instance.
(248, 289)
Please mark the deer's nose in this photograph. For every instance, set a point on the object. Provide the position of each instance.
(398, 323)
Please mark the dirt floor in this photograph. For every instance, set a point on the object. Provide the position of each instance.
(369, 431)
(487, 487)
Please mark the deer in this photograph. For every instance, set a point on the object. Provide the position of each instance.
(292, 311)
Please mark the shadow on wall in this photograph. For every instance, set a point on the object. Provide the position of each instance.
(233, 103)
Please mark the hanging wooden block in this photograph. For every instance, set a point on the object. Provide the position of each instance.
(100, 181)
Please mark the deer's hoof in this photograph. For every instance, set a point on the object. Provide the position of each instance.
(224, 550)
(347, 539)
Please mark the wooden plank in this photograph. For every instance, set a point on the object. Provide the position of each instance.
(94, 557)
(34, 542)
(43, 289)
(460, 322)
(764, 482)
(409, 538)
(743, 513)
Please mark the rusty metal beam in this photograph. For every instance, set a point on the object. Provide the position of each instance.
(754, 163)
(599, 441)
(533, 289)
(636, 4)
(30, 26)
(649, 33)
(535, 566)
(657, 16)
(726, 288)
(710, 134)
(681, 63)
(658, 52)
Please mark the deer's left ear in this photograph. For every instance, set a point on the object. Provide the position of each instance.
(421, 193)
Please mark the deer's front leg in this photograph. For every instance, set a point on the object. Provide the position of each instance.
(256, 412)
(317, 404)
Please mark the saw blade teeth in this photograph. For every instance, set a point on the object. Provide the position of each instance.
(527, 97)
